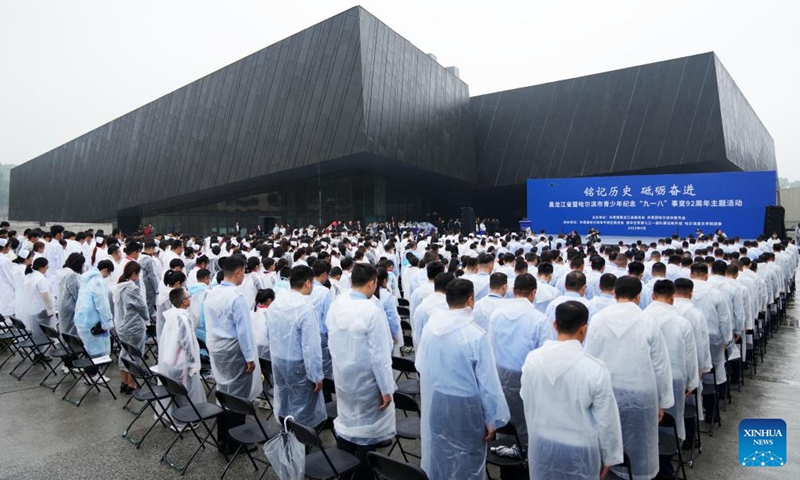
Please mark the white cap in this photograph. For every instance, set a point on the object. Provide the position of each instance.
(3, 242)
(24, 253)
(100, 240)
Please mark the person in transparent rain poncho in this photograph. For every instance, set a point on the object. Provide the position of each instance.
(573, 418)
(679, 337)
(516, 328)
(69, 283)
(631, 345)
(130, 318)
(362, 364)
(321, 299)
(231, 345)
(178, 350)
(264, 299)
(295, 346)
(498, 287)
(462, 399)
(93, 307)
(38, 304)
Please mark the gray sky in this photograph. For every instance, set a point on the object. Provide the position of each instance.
(71, 66)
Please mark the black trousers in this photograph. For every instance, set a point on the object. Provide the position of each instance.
(227, 421)
(364, 472)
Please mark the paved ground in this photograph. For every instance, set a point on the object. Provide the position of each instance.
(42, 436)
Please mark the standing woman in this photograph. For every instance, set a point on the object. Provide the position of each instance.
(38, 304)
(69, 283)
(21, 266)
(253, 281)
(130, 318)
(92, 308)
(263, 299)
(389, 306)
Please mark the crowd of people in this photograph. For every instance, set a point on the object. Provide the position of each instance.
(582, 347)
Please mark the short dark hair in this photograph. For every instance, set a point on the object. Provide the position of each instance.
(442, 280)
(105, 265)
(321, 267)
(576, 262)
(719, 267)
(598, 262)
(434, 268)
(363, 273)
(574, 281)
(176, 297)
(300, 275)
(458, 292)
(571, 316)
(636, 268)
(39, 263)
(607, 282)
(545, 269)
(627, 287)
(485, 258)
(202, 274)
(684, 286)
(75, 262)
(232, 263)
(497, 280)
(699, 268)
(659, 267)
(132, 247)
(524, 284)
(664, 288)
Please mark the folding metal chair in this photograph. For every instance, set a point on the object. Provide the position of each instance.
(257, 432)
(210, 384)
(190, 414)
(139, 359)
(29, 349)
(387, 468)
(59, 352)
(403, 302)
(149, 393)
(324, 463)
(406, 367)
(151, 343)
(506, 462)
(83, 361)
(669, 444)
(8, 339)
(408, 427)
(266, 371)
(691, 413)
(715, 413)
(332, 409)
(626, 463)
(404, 312)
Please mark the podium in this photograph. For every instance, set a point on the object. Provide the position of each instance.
(524, 224)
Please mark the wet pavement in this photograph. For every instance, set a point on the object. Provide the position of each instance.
(42, 436)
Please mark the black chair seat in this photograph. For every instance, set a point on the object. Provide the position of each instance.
(318, 468)
(331, 408)
(188, 415)
(6, 336)
(251, 433)
(144, 394)
(82, 363)
(666, 444)
(408, 428)
(59, 353)
(497, 460)
(409, 386)
(689, 412)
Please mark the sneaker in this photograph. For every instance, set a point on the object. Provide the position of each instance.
(507, 452)
(264, 405)
(64, 369)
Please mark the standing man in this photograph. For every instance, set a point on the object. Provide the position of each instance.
(462, 400)
(631, 345)
(362, 365)
(296, 350)
(231, 346)
(54, 253)
(569, 405)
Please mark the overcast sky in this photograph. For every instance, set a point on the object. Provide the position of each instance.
(71, 66)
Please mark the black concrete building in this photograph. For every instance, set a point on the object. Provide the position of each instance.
(348, 120)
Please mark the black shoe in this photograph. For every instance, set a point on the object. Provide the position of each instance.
(125, 389)
(42, 358)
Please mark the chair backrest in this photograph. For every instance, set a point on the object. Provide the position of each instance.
(403, 365)
(305, 435)
(135, 369)
(132, 351)
(202, 344)
(387, 468)
(75, 344)
(402, 302)
(668, 421)
(49, 332)
(19, 324)
(405, 402)
(405, 325)
(266, 366)
(404, 312)
(174, 387)
(328, 386)
(509, 429)
(234, 403)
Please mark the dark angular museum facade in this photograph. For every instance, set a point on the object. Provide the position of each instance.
(348, 120)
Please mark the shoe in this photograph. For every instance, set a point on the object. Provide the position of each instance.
(124, 388)
(264, 405)
(64, 369)
(42, 358)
